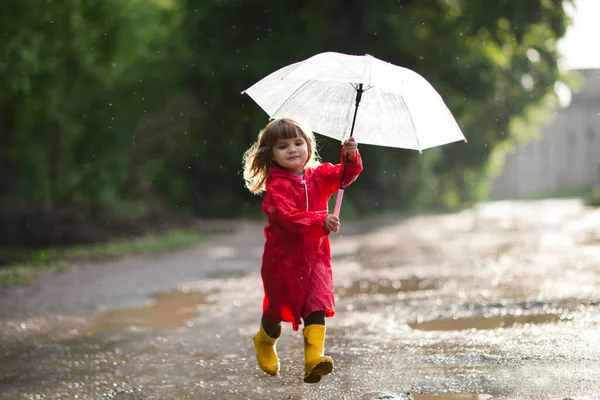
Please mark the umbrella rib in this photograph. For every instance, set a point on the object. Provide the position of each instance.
(370, 71)
(412, 122)
(298, 64)
(352, 71)
(288, 99)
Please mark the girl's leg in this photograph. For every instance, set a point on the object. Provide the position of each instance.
(316, 364)
(271, 328)
(264, 343)
(317, 317)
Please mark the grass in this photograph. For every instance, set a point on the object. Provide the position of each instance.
(592, 198)
(573, 193)
(21, 272)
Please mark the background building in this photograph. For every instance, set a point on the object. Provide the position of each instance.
(566, 157)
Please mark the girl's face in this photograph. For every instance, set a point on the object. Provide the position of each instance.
(291, 154)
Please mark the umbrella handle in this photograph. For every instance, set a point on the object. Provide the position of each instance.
(338, 202)
(340, 193)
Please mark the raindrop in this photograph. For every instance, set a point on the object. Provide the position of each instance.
(527, 82)
(533, 55)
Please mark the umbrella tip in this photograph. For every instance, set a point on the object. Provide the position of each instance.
(420, 151)
(243, 91)
(466, 141)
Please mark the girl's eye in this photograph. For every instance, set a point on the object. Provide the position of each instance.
(299, 143)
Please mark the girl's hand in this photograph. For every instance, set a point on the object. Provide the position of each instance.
(350, 146)
(332, 223)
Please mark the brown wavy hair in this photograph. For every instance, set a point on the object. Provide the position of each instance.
(258, 159)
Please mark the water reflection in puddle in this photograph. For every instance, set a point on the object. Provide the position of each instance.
(482, 323)
(414, 396)
(385, 287)
(169, 311)
(453, 396)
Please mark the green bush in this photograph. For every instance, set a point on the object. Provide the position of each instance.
(593, 198)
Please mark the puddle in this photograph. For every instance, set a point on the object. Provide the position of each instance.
(227, 273)
(482, 323)
(169, 311)
(453, 396)
(385, 287)
(413, 396)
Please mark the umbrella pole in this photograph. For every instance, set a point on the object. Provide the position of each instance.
(340, 193)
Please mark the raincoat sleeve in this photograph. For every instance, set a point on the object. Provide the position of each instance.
(280, 208)
(333, 173)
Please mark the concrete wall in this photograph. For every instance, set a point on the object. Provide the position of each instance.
(567, 154)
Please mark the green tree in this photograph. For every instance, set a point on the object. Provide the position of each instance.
(490, 63)
(78, 77)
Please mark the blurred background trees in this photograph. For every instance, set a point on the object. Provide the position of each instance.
(114, 112)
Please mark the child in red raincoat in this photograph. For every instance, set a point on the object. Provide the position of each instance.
(296, 268)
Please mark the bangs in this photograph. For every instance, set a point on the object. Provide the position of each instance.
(285, 130)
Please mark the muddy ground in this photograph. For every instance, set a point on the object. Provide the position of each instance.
(501, 301)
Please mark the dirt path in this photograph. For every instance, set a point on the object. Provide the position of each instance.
(500, 301)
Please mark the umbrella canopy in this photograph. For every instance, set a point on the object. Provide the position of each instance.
(398, 107)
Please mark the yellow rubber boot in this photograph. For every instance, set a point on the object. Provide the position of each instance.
(266, 354)
(315, 363)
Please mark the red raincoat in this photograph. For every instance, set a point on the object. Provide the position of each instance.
(296, 267)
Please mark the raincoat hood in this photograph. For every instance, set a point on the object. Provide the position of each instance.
(279, 172)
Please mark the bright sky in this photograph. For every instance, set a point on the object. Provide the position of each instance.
(580, 45)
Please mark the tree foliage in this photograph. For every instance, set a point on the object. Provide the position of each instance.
(108, 103)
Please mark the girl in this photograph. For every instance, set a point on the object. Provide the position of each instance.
(296, 267)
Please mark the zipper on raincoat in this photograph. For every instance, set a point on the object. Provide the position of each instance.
(303, 182)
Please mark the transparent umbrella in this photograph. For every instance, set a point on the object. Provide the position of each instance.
(398, 107)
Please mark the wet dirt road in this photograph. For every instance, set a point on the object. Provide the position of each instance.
(501, 301)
